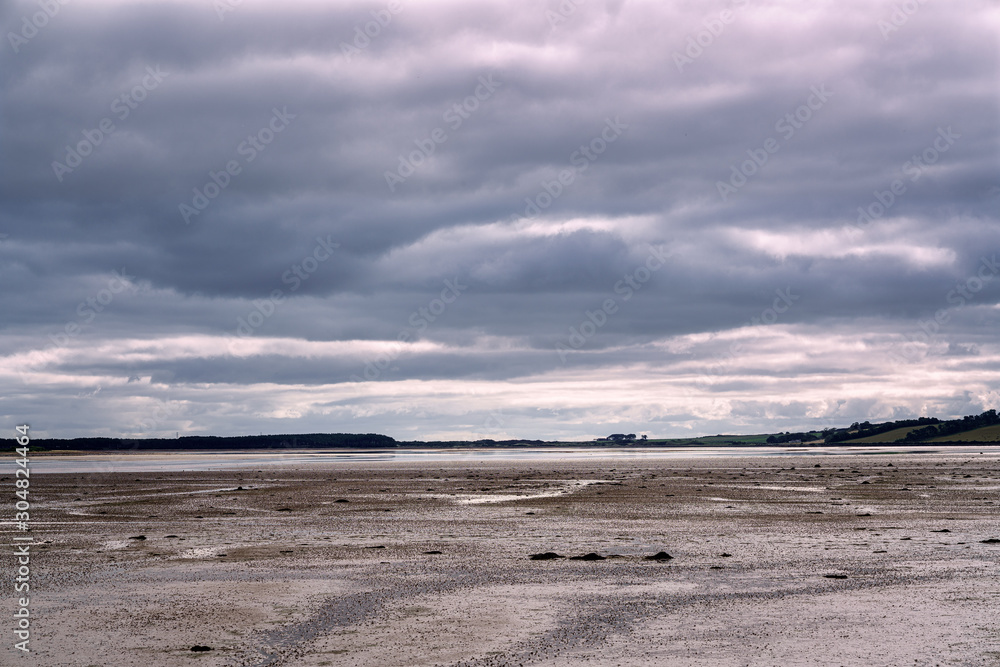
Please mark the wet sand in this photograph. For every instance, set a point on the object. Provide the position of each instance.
(864, 560)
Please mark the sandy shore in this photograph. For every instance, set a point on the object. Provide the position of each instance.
(862, 560)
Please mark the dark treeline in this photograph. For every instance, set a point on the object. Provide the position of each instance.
(440, 444)
(928, 428)
(298, 441)
(210, 442)
(988, 418)
(865, 429)
(781, 438)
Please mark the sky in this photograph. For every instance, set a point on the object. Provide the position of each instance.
(520, 219)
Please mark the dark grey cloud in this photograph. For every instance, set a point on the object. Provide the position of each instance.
(533, 158)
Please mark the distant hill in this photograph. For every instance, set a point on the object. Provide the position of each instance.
(984, 434)
(211, 442)
(972, 428)
(984, 428)
(889, 436)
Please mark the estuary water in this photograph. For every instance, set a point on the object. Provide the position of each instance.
(201, 461)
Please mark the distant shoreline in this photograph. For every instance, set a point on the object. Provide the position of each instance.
(152, 452)
(139, 451)
(983, 429)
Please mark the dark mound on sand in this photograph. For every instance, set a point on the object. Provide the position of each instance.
(660, 556)
(548, 555)
(590, 556)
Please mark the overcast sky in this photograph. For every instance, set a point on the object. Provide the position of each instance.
(443, 220)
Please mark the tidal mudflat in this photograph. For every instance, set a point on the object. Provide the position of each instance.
(833, 560)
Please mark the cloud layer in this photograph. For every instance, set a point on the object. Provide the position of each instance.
(498, 219)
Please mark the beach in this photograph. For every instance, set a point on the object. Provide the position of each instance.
(792, 560)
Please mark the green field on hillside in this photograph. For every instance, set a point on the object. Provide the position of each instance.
(984, 434)
(887, 437)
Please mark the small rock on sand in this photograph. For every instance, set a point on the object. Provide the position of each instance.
(548, 555)
(590, 556)
(992, 540)
(138, 537)
(835, 576)
(660, 556)
(198, 648)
